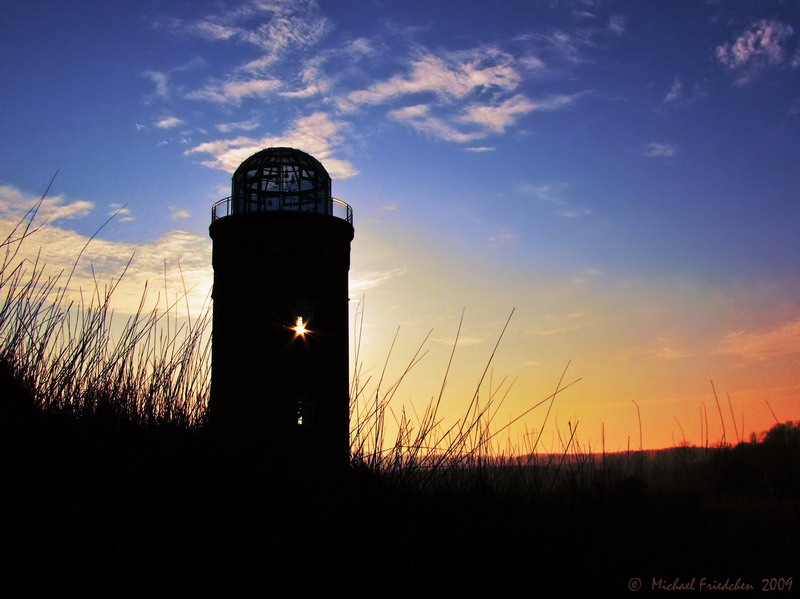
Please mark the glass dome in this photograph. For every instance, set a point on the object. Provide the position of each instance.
(283, 179)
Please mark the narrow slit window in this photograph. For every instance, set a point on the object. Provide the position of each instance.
(305, 410)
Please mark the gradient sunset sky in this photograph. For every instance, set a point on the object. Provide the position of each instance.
(624, 175)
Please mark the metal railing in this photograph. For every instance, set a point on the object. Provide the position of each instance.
(224, 207)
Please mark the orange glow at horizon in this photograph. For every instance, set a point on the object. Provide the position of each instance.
(699, 375)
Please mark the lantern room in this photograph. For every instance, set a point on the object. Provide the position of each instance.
(283, 179)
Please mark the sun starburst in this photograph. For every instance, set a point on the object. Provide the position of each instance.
(299, 328)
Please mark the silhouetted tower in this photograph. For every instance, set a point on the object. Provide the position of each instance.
(279, 372)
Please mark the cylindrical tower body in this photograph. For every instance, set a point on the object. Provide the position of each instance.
(282, 253)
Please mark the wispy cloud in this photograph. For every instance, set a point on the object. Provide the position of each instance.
(616, 24)
(362, 281)
(783, 339)
(360, 47)
(178, 214)
(559, 324)
(499, 117)
(554, 194)
(462, 341)
(755, 50)
(169, 122)
(274, 28)
(121, 213)
(278, 30)
(574, 212)
(234, 91)
(161, 79)
(567, 46)
(457, 96)
(420, 118)
(503, 237)
(675, 91)
(578, 45)
(447, 75)
(681, 94)
(14, 204)
(211, 31)
(316, 133)
(665, 348)
(660, 150)
(587, 274)
(480, 120)
(248, 125)
(294, 25)
(312, 80)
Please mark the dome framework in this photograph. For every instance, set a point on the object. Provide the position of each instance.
(283, 179)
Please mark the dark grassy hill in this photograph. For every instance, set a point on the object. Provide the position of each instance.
(97, 504)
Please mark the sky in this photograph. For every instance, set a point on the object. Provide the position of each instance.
(623, 176)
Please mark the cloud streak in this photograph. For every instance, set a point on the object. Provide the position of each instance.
(664, 348)
(675, 91)
(660, 150)
(480, 120)
(233, 92)
(497, 118)
(248, 125)
(161, 79)
(448, 76)
(361, 281)
(759, 346)
(554, 195)
(419, 117)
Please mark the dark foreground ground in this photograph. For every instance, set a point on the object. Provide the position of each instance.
(106, 509)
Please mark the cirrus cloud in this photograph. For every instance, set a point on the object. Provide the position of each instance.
(234, 91)
(783, 339)
(657, 149)
(481, 119)
(419, 117)
(451, 75)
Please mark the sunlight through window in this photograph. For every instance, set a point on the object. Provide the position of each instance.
(300, 328)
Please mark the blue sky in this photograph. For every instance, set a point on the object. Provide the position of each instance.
(625, 174)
